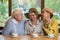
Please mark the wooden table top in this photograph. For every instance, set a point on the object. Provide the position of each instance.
(27, 37)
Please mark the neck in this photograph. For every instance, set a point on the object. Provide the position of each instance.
(17, 21)
(34, 22)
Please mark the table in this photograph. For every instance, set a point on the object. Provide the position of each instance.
(27, 37)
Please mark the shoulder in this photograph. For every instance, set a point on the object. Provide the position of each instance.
(54, 23)
(27, 21)
(9, 23)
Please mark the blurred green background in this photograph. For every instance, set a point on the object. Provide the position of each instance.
(26, 5)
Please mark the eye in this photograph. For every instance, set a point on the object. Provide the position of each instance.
(32, 15)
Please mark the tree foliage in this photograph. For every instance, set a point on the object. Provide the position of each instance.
(53, 4)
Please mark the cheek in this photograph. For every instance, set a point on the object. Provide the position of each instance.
(48, 15)
(30, 17)
(35, 17)
(20, 17)
(45, 15)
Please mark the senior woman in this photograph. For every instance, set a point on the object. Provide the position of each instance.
(33, 25)
(50, 26)
(15, 24)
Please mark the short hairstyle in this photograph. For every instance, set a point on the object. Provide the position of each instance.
(15, 12)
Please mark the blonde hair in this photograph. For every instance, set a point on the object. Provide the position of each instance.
(15, 12)
(48, 10)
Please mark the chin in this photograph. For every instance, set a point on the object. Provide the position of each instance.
(20, 19)
(34, 19)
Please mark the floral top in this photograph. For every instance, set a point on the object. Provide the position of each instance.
(29, 28)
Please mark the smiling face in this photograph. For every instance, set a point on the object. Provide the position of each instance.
(18, 15)
(45, 15)
(32, 16)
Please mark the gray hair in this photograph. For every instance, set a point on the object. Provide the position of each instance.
(15, 12)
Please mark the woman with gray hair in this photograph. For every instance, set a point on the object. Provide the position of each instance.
(15, 24)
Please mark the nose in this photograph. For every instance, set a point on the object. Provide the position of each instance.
(42, 14)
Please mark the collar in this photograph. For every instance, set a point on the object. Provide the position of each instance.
(33, 25)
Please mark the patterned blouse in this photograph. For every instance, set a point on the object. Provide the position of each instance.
(29, 28)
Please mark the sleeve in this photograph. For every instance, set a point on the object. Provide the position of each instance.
(26, 27)
(8, 28)
(46, 30)
(55, 27)
(26, 30)
(41, 31)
